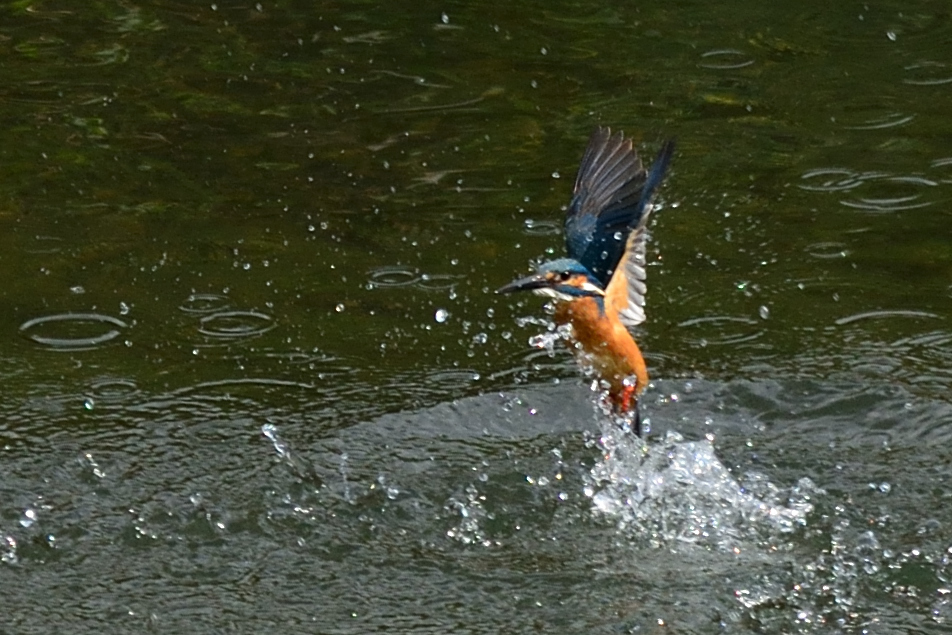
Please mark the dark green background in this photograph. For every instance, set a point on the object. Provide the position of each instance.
(276, 199)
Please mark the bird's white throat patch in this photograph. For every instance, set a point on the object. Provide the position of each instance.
(549, 292)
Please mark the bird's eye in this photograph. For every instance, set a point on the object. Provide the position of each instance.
(564, 276)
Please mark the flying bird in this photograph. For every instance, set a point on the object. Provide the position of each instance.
(599, 289)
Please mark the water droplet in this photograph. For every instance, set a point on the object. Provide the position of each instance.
(764, 312)
(29, 517)
(441, 315)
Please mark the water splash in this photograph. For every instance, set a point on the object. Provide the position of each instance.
(470, 507)
(678, 491)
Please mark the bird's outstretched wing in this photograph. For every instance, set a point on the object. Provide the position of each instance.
(625, 293)
(611, 192)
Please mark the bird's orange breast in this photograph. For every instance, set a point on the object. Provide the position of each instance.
(612, 349)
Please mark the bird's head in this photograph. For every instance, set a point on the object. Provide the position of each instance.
(563, 279)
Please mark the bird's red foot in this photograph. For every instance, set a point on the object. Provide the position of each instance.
(626, 401)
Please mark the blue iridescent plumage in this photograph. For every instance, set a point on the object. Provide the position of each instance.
(611, 193)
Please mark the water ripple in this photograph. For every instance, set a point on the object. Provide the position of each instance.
(45, 245)
(870, 315)
(827, 250)
(837, 179)
(928, 73)
(114, 390)
(203, 303)
(891, 120)
(236, 324)
(725, 59)
(724, 329)
(393, 276)
(71, 331)
(899, 191)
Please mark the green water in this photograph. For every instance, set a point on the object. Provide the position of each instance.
(227, 231)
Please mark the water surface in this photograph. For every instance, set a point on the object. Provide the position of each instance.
(255, 376)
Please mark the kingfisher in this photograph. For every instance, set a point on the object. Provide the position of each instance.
(599, 289)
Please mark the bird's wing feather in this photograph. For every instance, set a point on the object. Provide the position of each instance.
(625, 293)
(608, 201)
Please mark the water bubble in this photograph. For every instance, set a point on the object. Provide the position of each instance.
(445, 19)
(89, 403)
(339, 308)
(441, 315)
(556, 175)
(764, 312)
(78, 289)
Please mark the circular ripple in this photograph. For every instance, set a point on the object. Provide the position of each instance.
(720, 330)
(395, 276)
(114, 390)
(438, 281)
(203, 303)
(72, 331)
(235, 324)
(892, 192)
(900, 193)
(928, 74)
(725, 59)
(831, 180)
(827, 250)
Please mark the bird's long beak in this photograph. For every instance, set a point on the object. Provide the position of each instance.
(535, 281)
